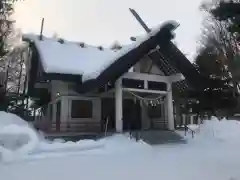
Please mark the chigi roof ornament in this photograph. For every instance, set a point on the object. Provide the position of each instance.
(82, 44)
(100, 48)
(133, 38)
(61, 41)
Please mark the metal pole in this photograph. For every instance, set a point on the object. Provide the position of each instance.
(41, 32)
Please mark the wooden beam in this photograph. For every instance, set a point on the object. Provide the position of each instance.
(152, 77)
(148, 77)
(144, 91)
(139, 19)
(176, 78)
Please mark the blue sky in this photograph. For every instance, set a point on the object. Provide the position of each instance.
(101, 22)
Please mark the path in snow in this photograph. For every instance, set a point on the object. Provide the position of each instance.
(162, 162)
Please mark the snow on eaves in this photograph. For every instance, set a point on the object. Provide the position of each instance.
(71, 58)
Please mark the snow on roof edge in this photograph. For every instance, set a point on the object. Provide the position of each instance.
(123, 52)
(90, 67)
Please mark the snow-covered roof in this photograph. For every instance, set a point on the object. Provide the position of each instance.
(71, 58)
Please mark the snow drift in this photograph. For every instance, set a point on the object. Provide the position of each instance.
(17, 137)
(19, 140)
(216, 130)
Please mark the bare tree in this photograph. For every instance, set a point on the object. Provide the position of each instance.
(12, 66)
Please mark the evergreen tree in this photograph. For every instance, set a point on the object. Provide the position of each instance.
(219, 48)
(229, 12)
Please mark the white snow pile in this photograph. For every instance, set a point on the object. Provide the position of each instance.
(218, 130)
(123, 143)
(111, 144)
(19, 140)
(17, 137)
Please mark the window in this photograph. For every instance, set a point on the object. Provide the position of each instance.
(155, 111)
(81, 109)
(133, 83)
(160, 86)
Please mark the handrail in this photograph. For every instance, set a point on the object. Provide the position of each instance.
(186, 128)
(106, 127)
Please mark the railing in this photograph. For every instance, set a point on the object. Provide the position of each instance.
(106, 127)
(193, 132)
(186, 128)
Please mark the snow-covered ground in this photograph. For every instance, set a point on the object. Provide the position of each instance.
(212, 155)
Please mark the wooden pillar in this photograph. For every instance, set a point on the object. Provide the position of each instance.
(58, 116)
(170, 107)
(184, 119)
(199, 120)
(54, 110)
(118, 106)
(191, 119)
(65, 112)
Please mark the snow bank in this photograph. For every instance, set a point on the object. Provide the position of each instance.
(182, 162)
(17, 137)
(19, 140)
(116, 144)
(66, 146)
(112, 144)
(123, 143)
(218, 130)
